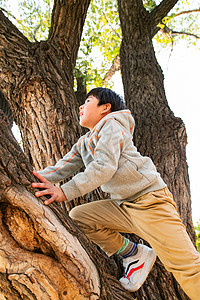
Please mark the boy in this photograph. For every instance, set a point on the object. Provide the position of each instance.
(140, 201)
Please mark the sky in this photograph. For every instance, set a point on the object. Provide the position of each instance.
(182, 85)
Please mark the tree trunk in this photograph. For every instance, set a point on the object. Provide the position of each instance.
(43, 254)
(158, 134)
(37, 80)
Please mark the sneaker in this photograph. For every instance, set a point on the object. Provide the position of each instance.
(137, 268)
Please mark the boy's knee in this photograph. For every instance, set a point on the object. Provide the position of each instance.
(75, 213)
(82, 217)
(78, 215)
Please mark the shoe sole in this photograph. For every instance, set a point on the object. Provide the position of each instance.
(151, 258)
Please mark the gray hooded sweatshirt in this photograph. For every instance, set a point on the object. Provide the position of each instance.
(111, 161)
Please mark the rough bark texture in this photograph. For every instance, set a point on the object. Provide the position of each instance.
(37, 80)
(4, 105)
(43, 254)
(158, 134)
(81, 91)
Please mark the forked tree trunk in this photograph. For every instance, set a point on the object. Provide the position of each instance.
(43, 254)
(158, 134)
(37, 81)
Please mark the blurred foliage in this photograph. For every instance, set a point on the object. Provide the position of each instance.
(32, 17)
(150, 4)
(183, 22)
(100, 42)
(197, 230)
(101, 36)
(36, 17)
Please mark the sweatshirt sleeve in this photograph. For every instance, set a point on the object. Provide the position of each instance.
(106, 156)
(65, 167)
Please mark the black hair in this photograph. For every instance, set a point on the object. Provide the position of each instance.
(105, 95)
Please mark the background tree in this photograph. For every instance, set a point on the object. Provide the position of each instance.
(159, 134)
(102, 37)
(37, 80)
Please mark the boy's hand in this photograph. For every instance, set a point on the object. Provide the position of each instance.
(49, 189)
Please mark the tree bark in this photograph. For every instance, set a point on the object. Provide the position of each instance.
(4, 105)
(43, 254)
(158, 134)
(81, 91)
(114, 68)
(37, 80)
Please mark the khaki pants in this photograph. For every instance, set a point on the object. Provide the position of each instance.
(154, 218)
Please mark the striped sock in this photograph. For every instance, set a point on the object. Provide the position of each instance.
(128, 249)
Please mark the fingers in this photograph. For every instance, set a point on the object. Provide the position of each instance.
(44, 192)
(44, 182)
(48, 189)
(52, 199)
(40, 177)
(42, 185)
(47, 192)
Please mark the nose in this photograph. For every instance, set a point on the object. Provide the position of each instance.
(81, 107)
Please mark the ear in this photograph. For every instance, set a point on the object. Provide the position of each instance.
(106, 108)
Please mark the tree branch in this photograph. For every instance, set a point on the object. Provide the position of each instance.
(18, 21)
(158, 13)
(15, 56)
(114, 68)
(187, 12)
(185, 33)
(67, 23)
(13, 46)
(168, 32)
(11, 33)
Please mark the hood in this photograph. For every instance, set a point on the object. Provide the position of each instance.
(123, 117)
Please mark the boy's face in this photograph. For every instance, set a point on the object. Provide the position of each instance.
(90, 113)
